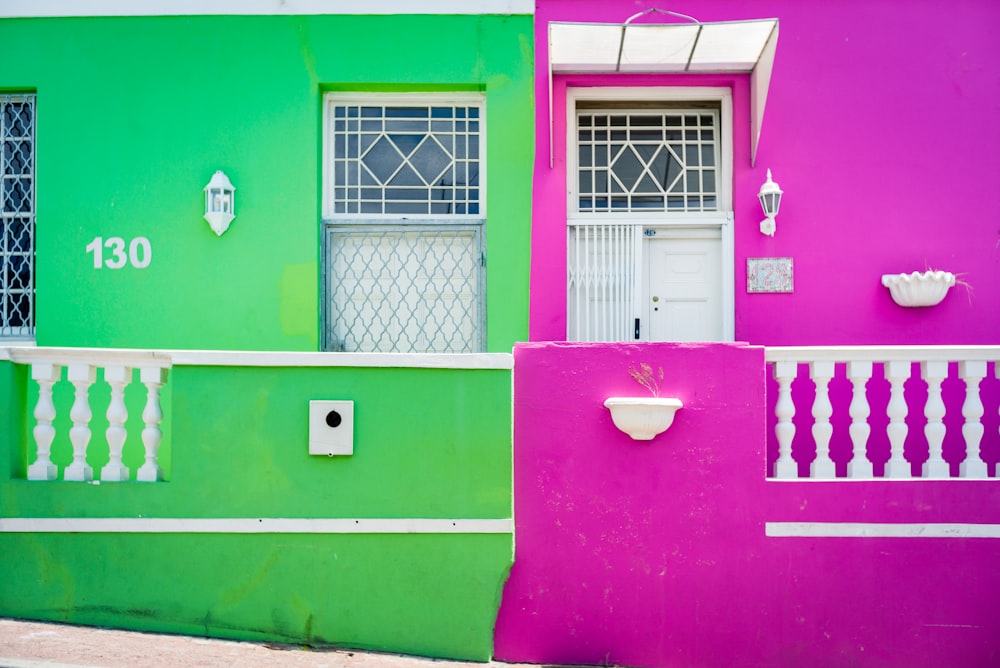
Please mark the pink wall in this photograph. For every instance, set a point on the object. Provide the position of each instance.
(880, 127)
(655, 554)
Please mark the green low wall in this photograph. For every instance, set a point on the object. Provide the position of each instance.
(428, 444)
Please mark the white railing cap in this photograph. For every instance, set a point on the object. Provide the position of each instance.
(167, 358)
(880, 353)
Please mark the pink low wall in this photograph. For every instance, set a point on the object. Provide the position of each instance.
(880, 128)
(655, 554)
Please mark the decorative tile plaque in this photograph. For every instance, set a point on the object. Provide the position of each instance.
(769, 274)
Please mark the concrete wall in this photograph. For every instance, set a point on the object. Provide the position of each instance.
(657, 553)
(876, 129)
(135, 114)
(428, 444)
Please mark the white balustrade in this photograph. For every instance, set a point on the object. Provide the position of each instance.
(152, 415)
(81, 371)
(822, 431)
(45, 412)
(82, 376)
(896, 372)
(859, 373)
(785, 467)
(857, 365)
(973, 374)
(117, 376)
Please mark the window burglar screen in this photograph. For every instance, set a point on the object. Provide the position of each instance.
(398, 160)
(643, 161)
(405, 289)
(17, 213)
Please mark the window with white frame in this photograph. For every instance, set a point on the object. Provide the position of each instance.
(648, 202)
(403, 220)
(17, 213)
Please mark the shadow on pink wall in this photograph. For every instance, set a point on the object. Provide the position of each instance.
(655, 553)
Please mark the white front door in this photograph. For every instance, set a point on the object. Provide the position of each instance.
(682, 285)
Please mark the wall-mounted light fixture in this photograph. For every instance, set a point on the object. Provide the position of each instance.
(220, 202)
(770, 200)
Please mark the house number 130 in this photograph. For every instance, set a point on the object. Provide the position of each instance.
(140, 253)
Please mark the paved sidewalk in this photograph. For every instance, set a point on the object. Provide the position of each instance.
(40, 644)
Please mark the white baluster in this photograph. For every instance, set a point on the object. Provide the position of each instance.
(784, 409)
(822, 409)
(859, 466)
(82, 376)
(897, 373)
(117, 377)
(45, 411)
(933, 373)
(153, 378)
(973, 466)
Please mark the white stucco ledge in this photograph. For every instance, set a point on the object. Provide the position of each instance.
(876, 530)
(168, 358)
(255, 525)
(64, 8)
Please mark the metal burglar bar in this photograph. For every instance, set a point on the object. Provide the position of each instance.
(405, 289)
(17, 213)
(601, 263)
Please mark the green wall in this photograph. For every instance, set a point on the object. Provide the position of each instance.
(428, 443)
(136, 114)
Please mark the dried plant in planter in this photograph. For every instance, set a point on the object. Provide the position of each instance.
(644, 376)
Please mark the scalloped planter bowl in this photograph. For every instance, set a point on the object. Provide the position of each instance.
(643, 418)
(919, 289)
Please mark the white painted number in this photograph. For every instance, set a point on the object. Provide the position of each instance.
(140, 252)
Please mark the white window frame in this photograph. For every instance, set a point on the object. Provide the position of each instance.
(672, 221)
(332, 220)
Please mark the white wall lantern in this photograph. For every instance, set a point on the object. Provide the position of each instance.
(220, 202)
(770, 200)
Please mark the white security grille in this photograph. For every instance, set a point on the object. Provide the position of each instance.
(601, 261)
(17, 213)
(647, 161)
(405, 289)
(398, 160)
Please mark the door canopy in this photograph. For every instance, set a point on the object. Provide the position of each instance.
(654, 48)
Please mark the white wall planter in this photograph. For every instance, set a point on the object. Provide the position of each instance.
(643, 418)
(919, 289)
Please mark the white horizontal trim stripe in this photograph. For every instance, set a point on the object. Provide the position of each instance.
(250, 525)
(50, 8)
(166, 358)
(866, 530)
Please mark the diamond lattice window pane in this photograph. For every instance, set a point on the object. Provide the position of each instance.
(419, 159)
(653, 155)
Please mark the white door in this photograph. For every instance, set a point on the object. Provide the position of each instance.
(682, 292)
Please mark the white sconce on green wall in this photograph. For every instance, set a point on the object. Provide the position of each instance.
(220, 202)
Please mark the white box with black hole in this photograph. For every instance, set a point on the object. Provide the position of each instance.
(331, 427)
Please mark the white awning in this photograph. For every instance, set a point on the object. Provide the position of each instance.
(737, 46)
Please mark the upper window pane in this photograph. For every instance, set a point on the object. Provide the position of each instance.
(643, 161)
(405, 159)
(17, 215)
